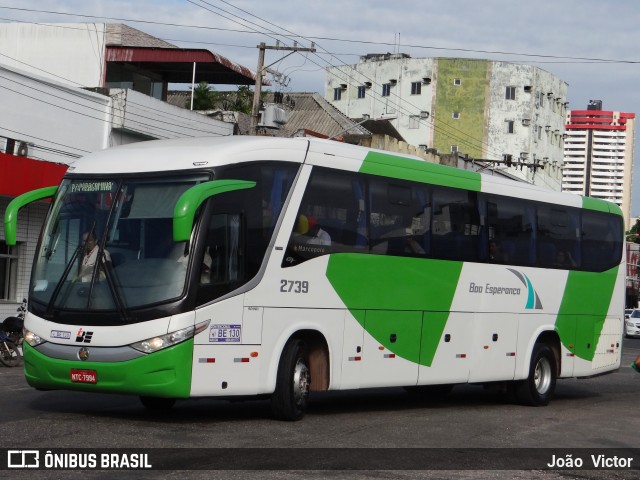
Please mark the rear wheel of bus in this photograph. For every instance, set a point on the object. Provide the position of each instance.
(289, 400)
(539, 386)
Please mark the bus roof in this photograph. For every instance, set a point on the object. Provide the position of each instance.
(203, 152)
(188, 154)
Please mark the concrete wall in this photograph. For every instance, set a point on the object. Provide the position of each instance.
(137, 117)
(59, 122)
(72, 54)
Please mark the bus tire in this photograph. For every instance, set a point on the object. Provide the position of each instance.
(289, 400)
(157, 403)
(538, 388)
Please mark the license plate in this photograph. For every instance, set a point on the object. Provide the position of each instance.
(225, 333)
(84, 376)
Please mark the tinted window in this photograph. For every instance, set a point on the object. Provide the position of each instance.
(399, 218)
(601, 240)
(456, 225)
(331, 217)
(558, 236)
(511, 224)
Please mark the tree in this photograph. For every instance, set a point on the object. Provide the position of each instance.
(633, 235)
(205, 97)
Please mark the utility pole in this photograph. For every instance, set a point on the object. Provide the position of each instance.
(259, 72)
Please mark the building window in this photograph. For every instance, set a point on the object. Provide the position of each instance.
(361, 91)
(386, 89)
(455, 115)
(416, 88)
(510, 93)
(8, 272)
(508, 126)
(414, 121)
(457, 82)
(337, 94)
(454, 148)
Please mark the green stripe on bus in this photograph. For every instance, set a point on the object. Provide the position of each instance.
(376, 163)
(412, 293)
(600, 205)
(585, 305)
(166, 373)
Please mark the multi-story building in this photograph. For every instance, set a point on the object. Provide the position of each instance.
(598, 155)
(496, 111)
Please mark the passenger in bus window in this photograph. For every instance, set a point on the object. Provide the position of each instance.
(495, 252)
(317, 234)
(90, 257)
(564, 260)
(411, 245)
(309, 231)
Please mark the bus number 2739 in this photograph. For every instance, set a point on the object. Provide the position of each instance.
(294, 286)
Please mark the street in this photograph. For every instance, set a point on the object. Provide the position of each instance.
(592, 414)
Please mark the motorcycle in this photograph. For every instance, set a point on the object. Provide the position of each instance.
(11, 336)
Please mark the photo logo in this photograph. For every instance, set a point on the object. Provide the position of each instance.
(23, 459)
(84, 337)
(533, 300)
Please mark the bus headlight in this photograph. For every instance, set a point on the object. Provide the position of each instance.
(154, 344)
(31, 338)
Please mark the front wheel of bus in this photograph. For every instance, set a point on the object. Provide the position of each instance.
(538, 388)
(289, 400)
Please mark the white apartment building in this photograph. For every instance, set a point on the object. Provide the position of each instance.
(598, 155)
(495, 111)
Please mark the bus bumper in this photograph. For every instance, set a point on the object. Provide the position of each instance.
(166, 373)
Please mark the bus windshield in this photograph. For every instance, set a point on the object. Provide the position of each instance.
(108, 245)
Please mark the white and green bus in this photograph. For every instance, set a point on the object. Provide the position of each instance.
(245, 266)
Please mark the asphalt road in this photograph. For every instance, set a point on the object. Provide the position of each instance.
(594, 414)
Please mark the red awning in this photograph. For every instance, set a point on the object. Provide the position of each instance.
(175, 65)
(21, 174)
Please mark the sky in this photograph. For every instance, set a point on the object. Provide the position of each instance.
(590, 44)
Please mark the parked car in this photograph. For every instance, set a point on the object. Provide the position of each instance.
(632, 323)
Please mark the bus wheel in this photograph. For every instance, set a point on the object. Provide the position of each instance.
(289, 400)
(157, 403)
(538, 388)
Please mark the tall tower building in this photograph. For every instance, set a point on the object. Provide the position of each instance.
(598, 155)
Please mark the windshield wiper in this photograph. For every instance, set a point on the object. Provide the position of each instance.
(56, 291)
(63, 277)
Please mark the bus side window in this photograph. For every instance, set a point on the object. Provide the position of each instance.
(558, 237)
(601, 247)
(456, 226)
(330, 218)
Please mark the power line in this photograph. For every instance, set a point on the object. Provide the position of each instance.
(334, 39)
(444, 127)
(437, 127)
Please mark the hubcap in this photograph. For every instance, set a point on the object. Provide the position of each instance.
(542, 376)
(301, 381)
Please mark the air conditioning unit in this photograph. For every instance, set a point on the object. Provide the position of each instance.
(526, 122)
(274, 116)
